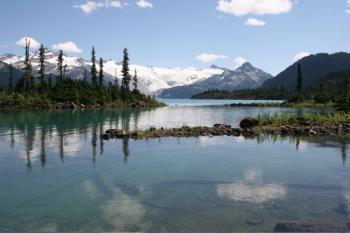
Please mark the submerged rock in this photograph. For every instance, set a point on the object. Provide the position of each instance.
(254, 221)
(311, 226)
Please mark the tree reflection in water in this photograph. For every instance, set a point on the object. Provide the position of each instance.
(41, 131)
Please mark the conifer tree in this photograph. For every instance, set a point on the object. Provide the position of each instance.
(93, 67)
(116, 83)
(64, 70)
(125, 71)
(42, 64)
(27, 76)
(60, 65)
(10, 81)
(85, 76)
(50, 81)
(100, 74)
(135, 81)
(344, 103)
(299, 86)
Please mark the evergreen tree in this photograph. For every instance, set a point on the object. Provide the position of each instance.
(10, 81)
(299, 86)
(93, 67)
(64, 70)
(100, 74)
(135, 81)
(116, 83)
(27, 76)
(321, 89)
(125, 71)
(42, 64)
(60, 65)
(344, 102)
(85, 76)
(50, 81)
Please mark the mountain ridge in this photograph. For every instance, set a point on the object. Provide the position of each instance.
(313, 67)
(245, 76)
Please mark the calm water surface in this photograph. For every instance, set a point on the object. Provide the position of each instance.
(57, 175)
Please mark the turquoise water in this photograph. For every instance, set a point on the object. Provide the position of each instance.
(56, 175)
(201, 102)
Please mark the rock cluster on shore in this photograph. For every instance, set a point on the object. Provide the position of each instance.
(248, 127)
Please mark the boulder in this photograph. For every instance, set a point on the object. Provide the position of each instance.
(106, 136)
(73, 105)
(311, 226)
(312, 132)
(248, 122)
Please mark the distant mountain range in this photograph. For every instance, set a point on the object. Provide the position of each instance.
(151, 79)
(184, 83)
(246, 76)
(313, 67)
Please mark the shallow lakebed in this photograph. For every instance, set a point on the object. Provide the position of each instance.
(56, 174)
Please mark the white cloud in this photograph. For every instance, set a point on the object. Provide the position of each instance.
(252, 189)
(239, 61)
(348, 6)
(33, 43)
(300, 56)
(255, 22)
(90, 6)
(144, 4)
(114, 4)
(258, 7)
(68, 47)
(206, 57)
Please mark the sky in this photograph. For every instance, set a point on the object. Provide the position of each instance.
(271, 34)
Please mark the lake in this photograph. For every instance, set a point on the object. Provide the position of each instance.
(57, 175)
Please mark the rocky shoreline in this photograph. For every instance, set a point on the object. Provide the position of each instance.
(249, 127)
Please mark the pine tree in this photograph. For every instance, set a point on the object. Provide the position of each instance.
(50, 81)
(116, 83)
(100, 74)
(64, 70)
(42, 64)
(135, 81)
(27, 76)
(85, 76)
(93, 67)
(60, 65)
(10, 81)
(344, 103)
(299, 86)
(125, 71)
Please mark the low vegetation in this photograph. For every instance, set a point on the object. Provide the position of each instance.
(279, 119)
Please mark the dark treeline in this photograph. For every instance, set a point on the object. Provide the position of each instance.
(48, 91)
(333, 88)
(249, 94)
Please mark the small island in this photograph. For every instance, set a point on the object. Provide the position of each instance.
(335, 124)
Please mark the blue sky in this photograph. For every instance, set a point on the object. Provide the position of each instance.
(174, 33)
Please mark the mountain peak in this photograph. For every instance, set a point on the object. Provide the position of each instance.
(247, 66)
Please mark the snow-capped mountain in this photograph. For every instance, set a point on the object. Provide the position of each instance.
(164, 82)
(151, 79)
(246, 76)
